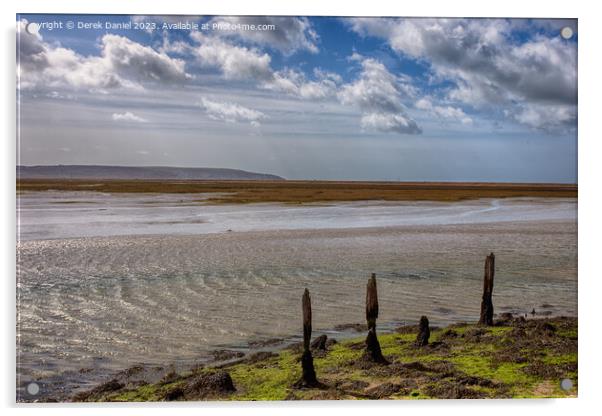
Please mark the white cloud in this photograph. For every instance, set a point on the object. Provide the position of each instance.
(444, 112)
(231, 112)
(140, 62)
(545, 116)
(378, 95)
(390, 122)
(289, 34)
(454, 113)
(128, 117)
(319, 73)
(295, 83)
(177, 47)
(58, 96)
(485, 61)
(122, 63)
(235, 62)
(243, 63)
(423, 104)
(375, 89)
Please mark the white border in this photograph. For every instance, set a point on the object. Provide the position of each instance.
(590, 175)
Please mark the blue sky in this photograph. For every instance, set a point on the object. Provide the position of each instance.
(307, 98)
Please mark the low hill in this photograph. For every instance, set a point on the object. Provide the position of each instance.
(137, 172)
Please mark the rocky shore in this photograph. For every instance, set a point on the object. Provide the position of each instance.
(513, 358)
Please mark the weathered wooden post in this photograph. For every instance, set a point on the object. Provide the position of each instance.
(424, 332)
(308, 377)
(373, 351)
(487, 303)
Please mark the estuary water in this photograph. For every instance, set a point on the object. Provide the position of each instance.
(106, 281)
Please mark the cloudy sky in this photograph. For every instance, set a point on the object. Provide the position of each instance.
(304, 98)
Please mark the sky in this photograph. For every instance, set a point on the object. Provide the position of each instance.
(401, 99)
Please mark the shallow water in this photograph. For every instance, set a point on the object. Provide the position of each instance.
(107, 281)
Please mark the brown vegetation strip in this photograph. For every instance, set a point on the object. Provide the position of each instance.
(311, 191)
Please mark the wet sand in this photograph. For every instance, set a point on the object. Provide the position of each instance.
(94, 305)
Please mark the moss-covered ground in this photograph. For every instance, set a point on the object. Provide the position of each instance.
(516, 358)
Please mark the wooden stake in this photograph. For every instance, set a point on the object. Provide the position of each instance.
(424, 332)
(373, 351)
(486, 317)
(308, 377)
(306, 306)
(371, 302)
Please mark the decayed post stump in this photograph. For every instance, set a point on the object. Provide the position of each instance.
(308, 377)
(424, 332)
(487, 303)
(373, 351)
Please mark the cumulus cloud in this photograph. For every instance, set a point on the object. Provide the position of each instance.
(140, 62)
(231, 112)
(377, 92)
(390, 122)
(545, 116)
(444, 112)
(122, 63)
(235, 62)
(295, 83)
(128, 117)
(289, 34)
(30, 49)
(247, 63)
(378, 95)
(488, 65)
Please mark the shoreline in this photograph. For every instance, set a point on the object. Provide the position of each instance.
(463, 360)
(134, 383)
(216, 356)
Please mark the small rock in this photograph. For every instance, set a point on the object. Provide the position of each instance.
(109, 386)
(211, 384)
(319, 343)
(330, 342)
(424, 332)
(224, 355)
(174, 394)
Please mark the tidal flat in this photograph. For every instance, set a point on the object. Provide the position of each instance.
(107, 281)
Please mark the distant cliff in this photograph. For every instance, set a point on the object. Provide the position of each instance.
(136, 172)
